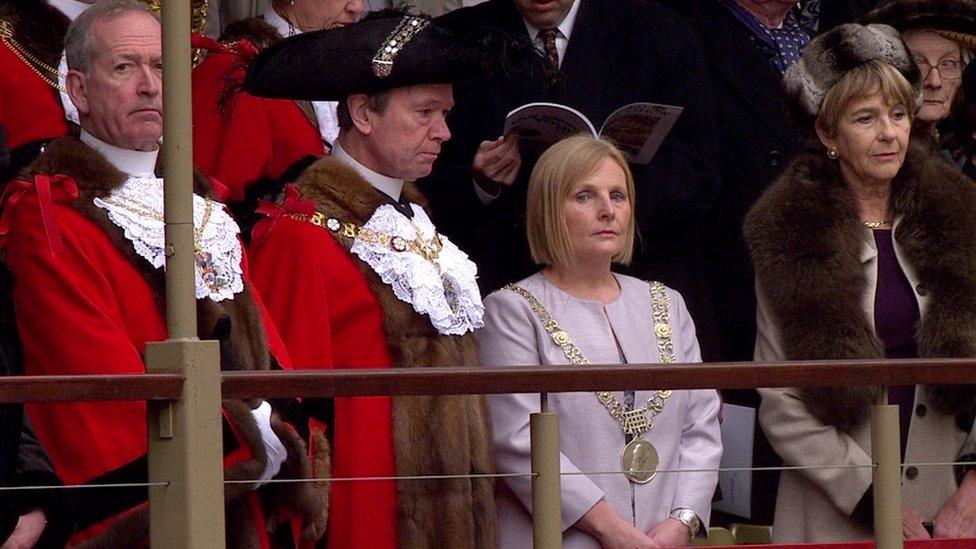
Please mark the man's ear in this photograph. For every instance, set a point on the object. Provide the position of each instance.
(76, 84)
(362, 117)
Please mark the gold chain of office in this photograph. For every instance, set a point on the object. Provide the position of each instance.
(47, 73)
(632, 422)
(429, 249)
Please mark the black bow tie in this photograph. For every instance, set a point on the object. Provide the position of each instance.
(401, 205)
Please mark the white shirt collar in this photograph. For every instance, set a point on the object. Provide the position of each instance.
(565, 28)
(283, 27)
(136, 163)
(70, 8)
(390, 186)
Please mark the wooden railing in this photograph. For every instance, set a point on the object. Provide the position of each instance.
(444, 381)
(531, 379)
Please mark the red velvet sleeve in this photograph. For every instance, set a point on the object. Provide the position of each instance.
(250, 137)
(234, 146)
(285, 267)
(71, 321)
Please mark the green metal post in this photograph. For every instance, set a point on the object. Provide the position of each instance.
(546, 498)
(886, 452)
(185, 435)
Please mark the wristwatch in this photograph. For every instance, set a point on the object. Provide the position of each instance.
(687, 517)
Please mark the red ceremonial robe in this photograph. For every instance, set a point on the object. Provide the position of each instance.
(240, 139)
(86, 306)
(334, 312)
(30, 107)
(329, 318)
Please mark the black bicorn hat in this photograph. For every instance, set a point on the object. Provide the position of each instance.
(386, 50)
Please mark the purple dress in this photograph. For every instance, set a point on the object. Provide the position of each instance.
(896, 318)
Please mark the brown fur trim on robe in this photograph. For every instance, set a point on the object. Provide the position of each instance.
(235, 323)
(805, 236)
(433, 435)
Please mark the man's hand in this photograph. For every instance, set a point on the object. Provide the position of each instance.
(28, 530)
(671, 533)
(496, 164)
(957, 518)
(612, 531)
(911, 524)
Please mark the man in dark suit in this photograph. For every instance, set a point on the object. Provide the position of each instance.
(750, 44)
(609, 53)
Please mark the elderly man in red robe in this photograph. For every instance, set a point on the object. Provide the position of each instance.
(82, 231)
(356, 275)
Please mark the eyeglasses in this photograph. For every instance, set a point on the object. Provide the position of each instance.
(950, 69)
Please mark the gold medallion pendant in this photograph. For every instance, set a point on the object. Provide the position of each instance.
(639, 461)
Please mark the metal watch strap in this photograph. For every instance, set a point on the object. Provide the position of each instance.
(687, 517)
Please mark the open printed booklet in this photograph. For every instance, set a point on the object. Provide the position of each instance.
(638, 129)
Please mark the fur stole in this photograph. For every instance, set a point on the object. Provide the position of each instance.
(805, 237)
(38, 27)
(238, 327)
(432, 434)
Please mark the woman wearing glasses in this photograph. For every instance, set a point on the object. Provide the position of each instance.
(941, 35)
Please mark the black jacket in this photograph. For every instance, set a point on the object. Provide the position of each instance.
(756, 142)
(619, 52)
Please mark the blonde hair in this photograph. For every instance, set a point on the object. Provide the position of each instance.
(863, 81)
(560, 168)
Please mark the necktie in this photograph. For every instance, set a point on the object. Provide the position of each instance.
(548, 37)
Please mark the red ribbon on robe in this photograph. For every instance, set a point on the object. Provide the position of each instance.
(293, 205)
(60, 188)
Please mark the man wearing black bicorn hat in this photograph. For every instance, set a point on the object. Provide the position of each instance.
(356, 276)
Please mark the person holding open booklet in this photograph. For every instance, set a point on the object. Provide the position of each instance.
(596, 56)
(618, 450)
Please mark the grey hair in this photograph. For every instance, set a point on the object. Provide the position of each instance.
(967, 55)
(79, 42)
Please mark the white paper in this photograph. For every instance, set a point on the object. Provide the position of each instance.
(544, 124)
(738, 430)
(639, 129)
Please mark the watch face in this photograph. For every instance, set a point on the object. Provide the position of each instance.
(689, 518)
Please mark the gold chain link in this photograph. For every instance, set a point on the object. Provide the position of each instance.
(151, 213)
(633, 422)
(429, 249)
(32, 62)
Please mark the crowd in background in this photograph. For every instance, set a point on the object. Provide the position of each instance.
(359, 204)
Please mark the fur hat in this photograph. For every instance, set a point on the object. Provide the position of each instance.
(833, 53)
(954, 19)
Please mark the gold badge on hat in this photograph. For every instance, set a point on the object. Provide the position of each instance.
(407, 28)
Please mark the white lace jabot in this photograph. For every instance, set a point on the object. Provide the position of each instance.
(136, 207)
(444, 288)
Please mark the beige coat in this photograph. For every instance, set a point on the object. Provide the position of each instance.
(815, 505)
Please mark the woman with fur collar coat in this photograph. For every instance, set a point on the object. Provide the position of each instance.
(863, 249)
